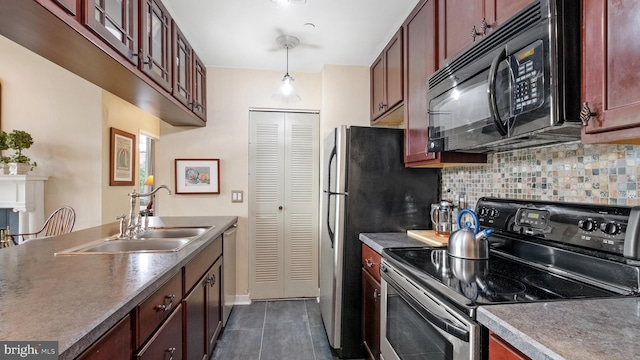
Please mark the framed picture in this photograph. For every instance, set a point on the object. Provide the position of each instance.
(197, 176)
(122, 160)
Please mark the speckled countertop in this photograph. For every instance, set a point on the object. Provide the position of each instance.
(379, 241)
(578, 329)
(75, 299)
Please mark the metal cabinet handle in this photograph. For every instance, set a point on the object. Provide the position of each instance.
(484, 26)
(171, 351)
(586, 114)
(376, 294)
(211, 280)
(475, 33)
(369, 263)
(165, 307)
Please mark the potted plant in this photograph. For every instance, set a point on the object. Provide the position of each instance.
(18, 163)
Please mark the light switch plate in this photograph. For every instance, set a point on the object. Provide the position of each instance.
(236, 196)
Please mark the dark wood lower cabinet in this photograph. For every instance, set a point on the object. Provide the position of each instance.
(117, 343)
(214, 303)
(195, 330)
(371, 315)
(502, 350)
(166, 343)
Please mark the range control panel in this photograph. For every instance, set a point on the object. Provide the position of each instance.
(598, 227)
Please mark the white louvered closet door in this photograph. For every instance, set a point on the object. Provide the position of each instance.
(283, 204)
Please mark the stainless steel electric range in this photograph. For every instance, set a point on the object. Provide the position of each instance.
(540, 251)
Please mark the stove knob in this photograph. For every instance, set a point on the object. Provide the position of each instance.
(610, 228)
(587, 225)
(483, 211)
(493, 213)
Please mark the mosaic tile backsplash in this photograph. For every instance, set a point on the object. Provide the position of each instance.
(571, 172)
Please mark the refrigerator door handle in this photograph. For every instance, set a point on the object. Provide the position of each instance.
(332, 157)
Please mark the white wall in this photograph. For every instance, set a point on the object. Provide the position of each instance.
(69, 119)
(63, 114)
(340, 93)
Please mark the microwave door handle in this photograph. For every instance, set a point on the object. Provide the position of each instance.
(493, 102)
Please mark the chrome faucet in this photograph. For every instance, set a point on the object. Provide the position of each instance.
(133, 226)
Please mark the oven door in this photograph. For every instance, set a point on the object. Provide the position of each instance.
(416, 325)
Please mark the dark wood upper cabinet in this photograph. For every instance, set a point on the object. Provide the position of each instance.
(116, 22)
(182, 67)
(156, 59)
(611, 81)
(420, 61)
(420, 58)
(71, 6)
(462, 22)
(386, 74)
(199, 106)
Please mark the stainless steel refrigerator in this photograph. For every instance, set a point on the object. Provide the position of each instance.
(366, 188)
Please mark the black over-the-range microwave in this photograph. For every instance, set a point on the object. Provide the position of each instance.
(517, 87)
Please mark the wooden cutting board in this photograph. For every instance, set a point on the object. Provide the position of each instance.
(428, 237)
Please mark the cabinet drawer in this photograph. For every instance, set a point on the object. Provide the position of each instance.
(371, 261)
(167, 341)
(117, 343)
(201, 263)
(158, 306)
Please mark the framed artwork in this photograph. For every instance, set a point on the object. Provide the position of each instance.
(197, 176)
(122, 161)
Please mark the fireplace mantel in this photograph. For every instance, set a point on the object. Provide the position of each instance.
(25, 195)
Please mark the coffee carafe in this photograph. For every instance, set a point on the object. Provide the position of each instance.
(442, 218)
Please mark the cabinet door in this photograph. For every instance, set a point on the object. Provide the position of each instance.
(71, 6)
(194, 322)
(499, 11)
(166, 342)
(182, 67)
(377, 87)
(214, 304)
(371, 315)
(156, 42)
(393, 72)
(501, 350)
(457, 20)
(199, 106)
(116, 22)
(610, 70)
(420, 62)
(117, 343)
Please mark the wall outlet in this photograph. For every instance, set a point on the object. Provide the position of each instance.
(236, 196)
(462, 201)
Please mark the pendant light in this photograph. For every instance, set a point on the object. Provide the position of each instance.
(287, 92)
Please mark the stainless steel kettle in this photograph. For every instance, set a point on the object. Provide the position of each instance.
(467, 242)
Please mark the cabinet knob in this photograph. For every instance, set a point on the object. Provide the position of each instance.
(280, 207)
(586, 114)
(369, 263)
(171, 351)
(475, 33)
(376, 294)
(484, 26)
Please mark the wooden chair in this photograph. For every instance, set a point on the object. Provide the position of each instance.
(59, 222)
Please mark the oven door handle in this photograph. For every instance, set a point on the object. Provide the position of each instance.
(493, 102)
(438, 321)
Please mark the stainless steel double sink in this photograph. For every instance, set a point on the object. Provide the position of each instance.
(157, 239)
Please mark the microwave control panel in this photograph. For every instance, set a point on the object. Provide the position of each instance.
(527, 67)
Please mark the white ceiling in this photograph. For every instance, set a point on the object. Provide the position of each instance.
(242, 33)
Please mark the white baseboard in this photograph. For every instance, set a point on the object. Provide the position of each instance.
(242, 300)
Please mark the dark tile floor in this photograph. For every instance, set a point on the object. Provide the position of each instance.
(274, 330)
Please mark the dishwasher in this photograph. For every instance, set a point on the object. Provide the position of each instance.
(229, 271)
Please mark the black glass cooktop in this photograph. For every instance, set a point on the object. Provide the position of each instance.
(493, 281)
